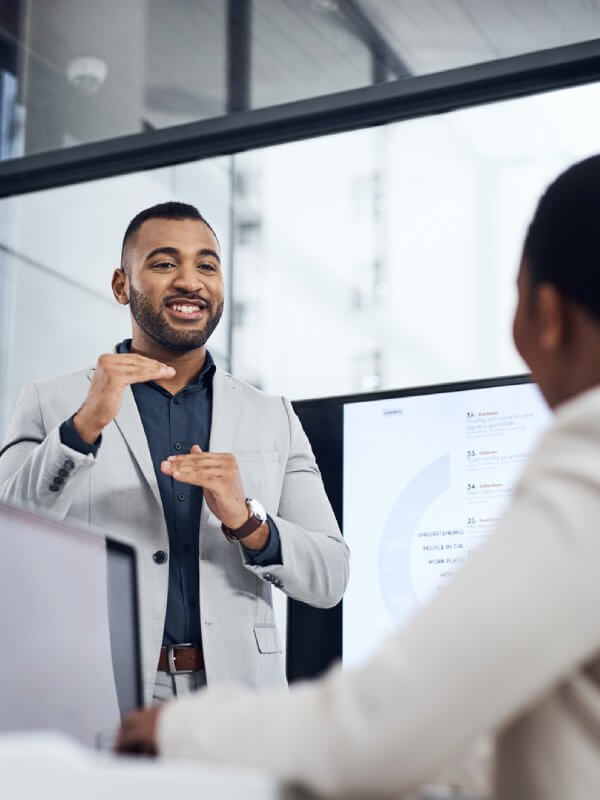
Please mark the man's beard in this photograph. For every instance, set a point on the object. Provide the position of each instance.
(157, 328)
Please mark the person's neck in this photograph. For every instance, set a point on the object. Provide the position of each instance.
(579, 363)
(187, 364)
(579, 380)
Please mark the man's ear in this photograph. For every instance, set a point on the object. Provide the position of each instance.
(120, 286)
(553, 318)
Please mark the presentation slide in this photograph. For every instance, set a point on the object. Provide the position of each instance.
(426, 479)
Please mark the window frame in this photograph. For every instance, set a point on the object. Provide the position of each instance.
(408, 98)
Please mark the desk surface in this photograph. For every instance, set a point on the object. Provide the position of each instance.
(51, 766)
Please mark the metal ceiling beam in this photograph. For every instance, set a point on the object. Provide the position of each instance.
(373, 105)
(385, 58)
(239, 48)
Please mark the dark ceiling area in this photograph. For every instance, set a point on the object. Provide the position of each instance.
(75, 71)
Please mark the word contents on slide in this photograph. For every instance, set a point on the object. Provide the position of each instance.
(426, 480)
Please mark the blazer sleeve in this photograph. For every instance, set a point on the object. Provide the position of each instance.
(314, 556)
(29, 470)
(517, 620)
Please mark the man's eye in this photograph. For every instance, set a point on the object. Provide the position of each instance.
(163, 265)
(207, 267)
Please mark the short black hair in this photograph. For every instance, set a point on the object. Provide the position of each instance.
(562, 246)
(171, 210)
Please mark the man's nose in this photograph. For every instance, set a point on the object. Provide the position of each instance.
(188, 279)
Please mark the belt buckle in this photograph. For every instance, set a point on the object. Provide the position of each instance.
(171, 659)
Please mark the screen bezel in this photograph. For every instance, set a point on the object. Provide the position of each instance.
(435, 388)
(121, 547)
(314, 636)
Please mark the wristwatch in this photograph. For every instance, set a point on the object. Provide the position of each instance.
(256, 517)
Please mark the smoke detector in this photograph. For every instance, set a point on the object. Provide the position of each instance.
(87, 73)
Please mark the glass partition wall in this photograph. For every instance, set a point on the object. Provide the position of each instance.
(58, 250)
(380, 258)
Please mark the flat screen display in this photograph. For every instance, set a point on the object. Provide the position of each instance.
(425, 480)
(418, 479)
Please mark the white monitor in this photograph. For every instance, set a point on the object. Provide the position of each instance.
(69, 627)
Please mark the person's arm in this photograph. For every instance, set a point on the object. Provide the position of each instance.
(270, 553)
(314, 564)
(45, 474)
(509, 628)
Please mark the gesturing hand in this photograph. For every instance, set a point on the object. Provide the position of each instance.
(218, 474)
(114, 371)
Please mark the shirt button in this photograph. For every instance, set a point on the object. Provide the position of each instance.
(178, 445)
(63, 472)
(176, 401)
(159, 557)
(181, 497)
(68, 464)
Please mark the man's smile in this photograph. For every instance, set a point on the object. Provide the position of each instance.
(188, 309)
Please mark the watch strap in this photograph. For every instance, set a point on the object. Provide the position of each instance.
(252, 524)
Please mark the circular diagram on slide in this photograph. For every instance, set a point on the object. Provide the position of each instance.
(418, 542)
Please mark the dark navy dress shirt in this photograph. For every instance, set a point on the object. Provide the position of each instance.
(173, 423)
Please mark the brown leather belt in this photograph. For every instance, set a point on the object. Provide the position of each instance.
(181, 659)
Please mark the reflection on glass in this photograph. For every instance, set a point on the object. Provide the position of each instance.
(77, 71)
(375, 259)
(58, 250)
(387, 257)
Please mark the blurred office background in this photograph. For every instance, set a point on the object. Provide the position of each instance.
(383, 256)
(380, 257)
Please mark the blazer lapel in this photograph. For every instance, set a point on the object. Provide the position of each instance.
(129, 423)
(225, 414)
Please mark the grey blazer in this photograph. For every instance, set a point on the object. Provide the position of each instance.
(117, 491)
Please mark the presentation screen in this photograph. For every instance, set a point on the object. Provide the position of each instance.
(418, 479)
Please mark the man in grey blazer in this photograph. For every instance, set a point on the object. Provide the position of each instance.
(512, 644)
(213, 481)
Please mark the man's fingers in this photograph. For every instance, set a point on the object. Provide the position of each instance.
(200, 474)
(147, 373)
(132, 368)
(170, 467)
(197, 477)
(200, 458)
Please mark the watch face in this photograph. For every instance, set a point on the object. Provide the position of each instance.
(256, 509)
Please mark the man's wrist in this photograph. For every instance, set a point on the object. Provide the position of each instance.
(252, 532)
(236, 519)
(257, 540)
(88, 431)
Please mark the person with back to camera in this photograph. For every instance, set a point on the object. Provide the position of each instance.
(512, 644)
(212, 480)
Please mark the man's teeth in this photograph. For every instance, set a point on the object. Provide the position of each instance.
(186, 309)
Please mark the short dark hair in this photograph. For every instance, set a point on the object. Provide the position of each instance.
(562, 246)
(171, 210)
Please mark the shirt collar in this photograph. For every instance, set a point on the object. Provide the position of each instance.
(204, 377)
